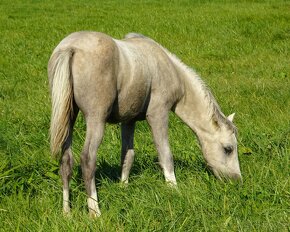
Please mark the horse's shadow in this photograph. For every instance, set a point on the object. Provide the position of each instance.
(104, 170)
(108, 172)
(112, 172)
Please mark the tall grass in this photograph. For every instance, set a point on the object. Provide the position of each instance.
(240, 48)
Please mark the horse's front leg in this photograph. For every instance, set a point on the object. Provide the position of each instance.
(158, 121)
(94, 135)
(127, 152)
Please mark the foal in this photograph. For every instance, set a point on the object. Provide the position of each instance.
(128, 80)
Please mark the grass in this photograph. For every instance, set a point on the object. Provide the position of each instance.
(240, 48)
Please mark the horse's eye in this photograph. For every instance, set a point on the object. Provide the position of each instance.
(228, 149)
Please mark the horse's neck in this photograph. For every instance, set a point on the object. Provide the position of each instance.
(197, 105)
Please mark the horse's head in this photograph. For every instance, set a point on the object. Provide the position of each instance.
(220, 149)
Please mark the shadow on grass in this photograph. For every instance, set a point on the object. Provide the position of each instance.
(112, 172)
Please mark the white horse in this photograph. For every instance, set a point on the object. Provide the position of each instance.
(125, 81)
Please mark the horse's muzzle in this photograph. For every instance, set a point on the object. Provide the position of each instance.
(226, 175)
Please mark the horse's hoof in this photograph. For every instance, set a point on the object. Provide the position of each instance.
(124, 184)
(66, 212)
(94, 214)
(172, 184)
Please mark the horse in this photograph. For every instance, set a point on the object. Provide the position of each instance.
(125, 81)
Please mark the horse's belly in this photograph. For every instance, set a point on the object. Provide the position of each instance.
(131, 103)
(116, 116)
(120, 113)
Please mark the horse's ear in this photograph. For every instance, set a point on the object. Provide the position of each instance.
(231, 117)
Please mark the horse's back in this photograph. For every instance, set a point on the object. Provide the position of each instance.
(85, 40)
(119, 76)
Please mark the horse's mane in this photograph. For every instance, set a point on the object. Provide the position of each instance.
(214, 109)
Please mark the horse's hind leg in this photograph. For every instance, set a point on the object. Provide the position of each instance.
(67, 164)
(66, 173)
(127, 153)
(94, 135)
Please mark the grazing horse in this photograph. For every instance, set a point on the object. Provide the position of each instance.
(125, 81)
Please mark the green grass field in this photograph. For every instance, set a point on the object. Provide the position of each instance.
(242, 51)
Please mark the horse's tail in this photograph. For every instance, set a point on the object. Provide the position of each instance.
(60, 80)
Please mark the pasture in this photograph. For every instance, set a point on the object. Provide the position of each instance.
(240, 49)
